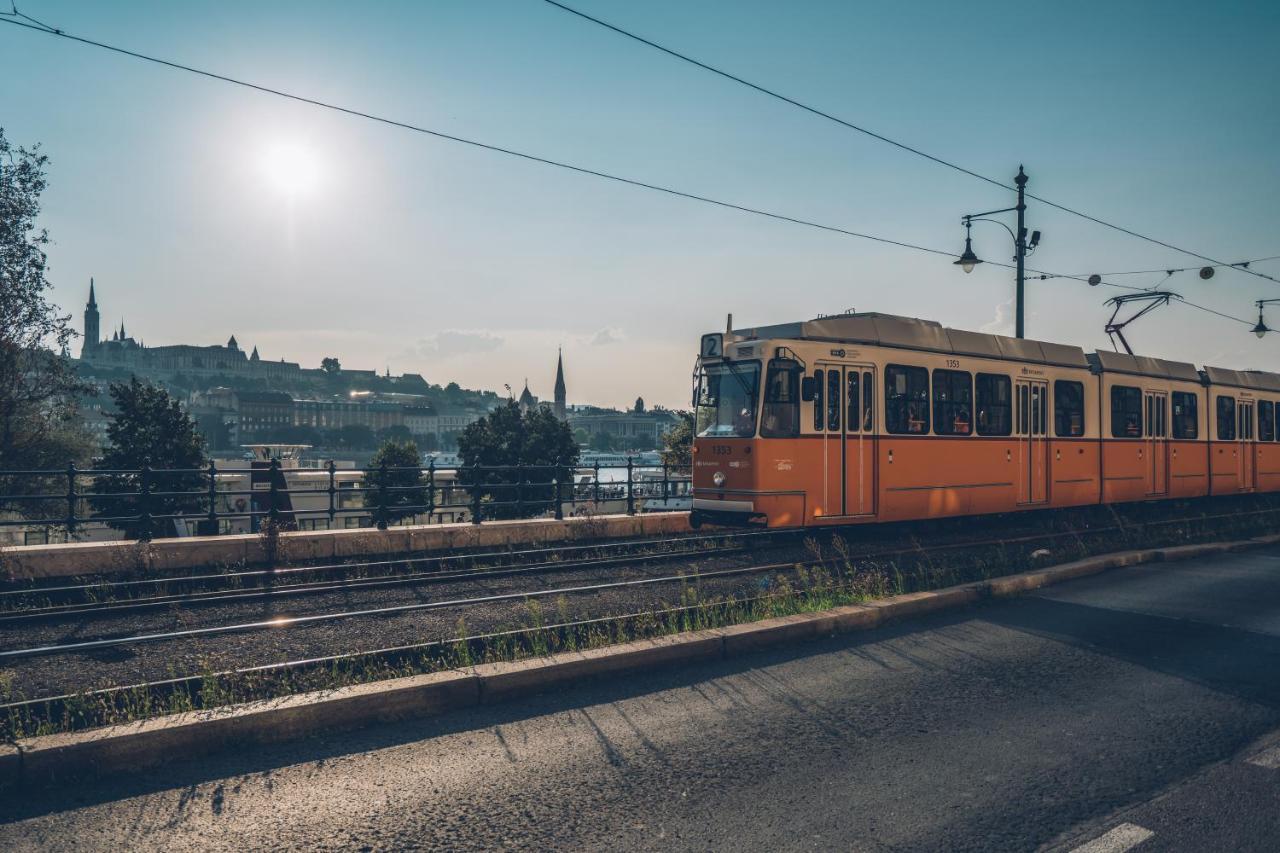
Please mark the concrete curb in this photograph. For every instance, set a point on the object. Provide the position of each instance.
(134, 746)
(88, 558)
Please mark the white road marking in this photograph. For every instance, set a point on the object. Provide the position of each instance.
(1123, 837)
(1269, 759)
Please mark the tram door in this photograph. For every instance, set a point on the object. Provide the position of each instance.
(846, 419)
(1156, 438)
(1245, 454)
(1033, 441)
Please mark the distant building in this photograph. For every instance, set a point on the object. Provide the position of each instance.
(126, 352)
(650, 425)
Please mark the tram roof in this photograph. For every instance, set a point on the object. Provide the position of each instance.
(888, 330)
(1142, 365)
(1257, 379)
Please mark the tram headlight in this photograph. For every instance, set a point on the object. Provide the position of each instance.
(718, 478)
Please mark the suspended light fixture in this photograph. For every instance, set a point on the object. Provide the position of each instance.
(968, 260)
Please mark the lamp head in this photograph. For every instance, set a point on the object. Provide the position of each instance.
(968, 260)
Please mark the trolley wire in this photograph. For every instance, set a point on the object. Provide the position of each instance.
(882, 138)
(11, 18)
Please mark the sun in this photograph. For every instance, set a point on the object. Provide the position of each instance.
(291, 168)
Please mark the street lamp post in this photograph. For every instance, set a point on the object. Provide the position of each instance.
(1021, 246)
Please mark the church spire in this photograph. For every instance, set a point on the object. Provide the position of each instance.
(91, 318)
(560, 395)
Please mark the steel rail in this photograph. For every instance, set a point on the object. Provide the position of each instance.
(294, 621)
(365, 564)
(173, 683)
(214, 597)
(440, 576)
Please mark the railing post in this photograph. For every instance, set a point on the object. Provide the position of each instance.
(213, 499)
(555, 484)
(273, 510)
(475, 493)
(431, 488)
(522, 480)
(596, 487)
(333, 492)
(665, 492)
(631, 495)
(71, 498)
(382, 495)
(144, 500)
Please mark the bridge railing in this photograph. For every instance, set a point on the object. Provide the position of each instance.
(147, 502)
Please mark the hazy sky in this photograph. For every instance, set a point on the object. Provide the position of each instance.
(204, 210)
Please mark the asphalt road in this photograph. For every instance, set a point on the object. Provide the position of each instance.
(1138, 707)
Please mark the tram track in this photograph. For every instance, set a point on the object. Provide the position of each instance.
(18, 604)
(82, 652)
(503, 572)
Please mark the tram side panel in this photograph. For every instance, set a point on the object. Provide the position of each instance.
(1232, 451)
(1075, 478)
(1266, 450)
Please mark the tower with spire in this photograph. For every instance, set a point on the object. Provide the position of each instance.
(560, 396)
(91, 333)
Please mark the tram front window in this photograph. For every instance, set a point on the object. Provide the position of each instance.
(727, 396)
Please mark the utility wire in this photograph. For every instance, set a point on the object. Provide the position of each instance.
(10, 18)
(901, 145)
(1186, 269)
(511, 152)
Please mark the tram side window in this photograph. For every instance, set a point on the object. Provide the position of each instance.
(1226, 418)
(1126, 412)
(1186, 424)
(952, 402)
(1068, 408)
(1266, 420)
(906, 399)
(819, 391)
(868, 401)
(851, 400)
(833, 400)
(995, 404)
(781, 415)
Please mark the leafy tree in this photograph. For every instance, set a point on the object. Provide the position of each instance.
(396, 432)
(602, 442)
(677, 443)
(507, 438)
(330, 365)
(581, 436)
(351, 437)
(149, 430)
(38, 388)
(391, 493)
(39, 428)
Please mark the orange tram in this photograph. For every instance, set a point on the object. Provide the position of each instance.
(870, 417)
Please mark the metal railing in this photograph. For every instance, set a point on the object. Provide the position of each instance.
(150, 503)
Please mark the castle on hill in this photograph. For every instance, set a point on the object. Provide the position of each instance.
(121, 350)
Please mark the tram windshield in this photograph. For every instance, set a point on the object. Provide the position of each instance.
(728, 393)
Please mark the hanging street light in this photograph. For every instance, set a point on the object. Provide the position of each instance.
(1022, 247)
(1261, 329)
(968, 260)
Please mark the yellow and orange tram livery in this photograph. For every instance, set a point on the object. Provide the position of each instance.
(871, 417)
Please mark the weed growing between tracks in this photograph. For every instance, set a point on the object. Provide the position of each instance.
(834, 573)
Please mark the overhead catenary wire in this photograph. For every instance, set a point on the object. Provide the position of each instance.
(11, 18)
(888, 140)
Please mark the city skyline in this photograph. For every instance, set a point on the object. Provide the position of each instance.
(317, 235)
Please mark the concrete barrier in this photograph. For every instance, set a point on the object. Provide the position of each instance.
(134, 746)
(90, 558)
